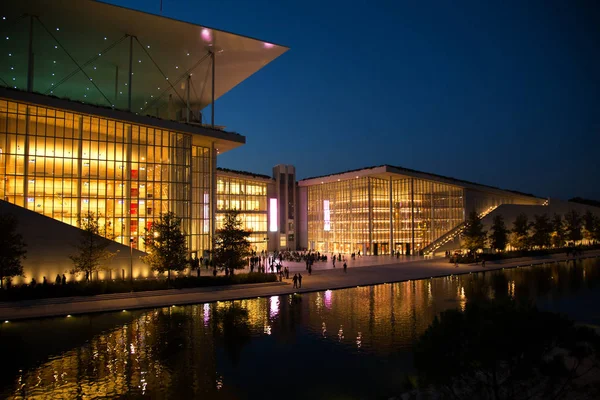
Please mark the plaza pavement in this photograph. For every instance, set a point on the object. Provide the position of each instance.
(362, 271)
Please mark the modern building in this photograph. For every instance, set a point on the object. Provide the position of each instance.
(266, 204)
(101, 111)
(247, 193)
(286, 197)
(105, 109)
(381, 209)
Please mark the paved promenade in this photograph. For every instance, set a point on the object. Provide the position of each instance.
(362, 271)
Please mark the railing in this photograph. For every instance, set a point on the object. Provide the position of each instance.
(452, 234)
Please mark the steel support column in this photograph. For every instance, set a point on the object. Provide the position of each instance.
(130, 76)
(391, 208)
(370, 214)
(431, 227)
(27, 158)
(116, 83)
(30, 59)
(212, 107)
(213, 194)
(412, 214)
(187, 95)
(79, 166)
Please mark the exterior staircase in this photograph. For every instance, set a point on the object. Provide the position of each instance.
(451, 234)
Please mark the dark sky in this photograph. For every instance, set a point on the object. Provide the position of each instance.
(505, 93)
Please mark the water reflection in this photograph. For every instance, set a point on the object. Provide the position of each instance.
(216, 350)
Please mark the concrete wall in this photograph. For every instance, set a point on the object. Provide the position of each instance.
(302, 227)
(50, 242)
(482, 200)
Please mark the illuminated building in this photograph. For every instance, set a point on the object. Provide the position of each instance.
(101, 110)
(247, 193)
(266, 205)
(383, 209)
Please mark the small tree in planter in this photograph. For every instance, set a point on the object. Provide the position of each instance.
(92, 250)
(474, 235)
(231, 243)
(558, 231)
(166, 245)
(574, 224)
(520, 233)
(499, 234)
(12, 249)
(542, 231)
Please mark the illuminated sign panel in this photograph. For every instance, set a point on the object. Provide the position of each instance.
(326, 217)
(272, 215)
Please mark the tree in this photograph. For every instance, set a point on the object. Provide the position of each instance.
(499, 234)
(474, 235)
(501, 350)
(558, 231)
(590, 225)
(542, 231)
(12, 249)
(573, 224)
(166, 245)
(92, 250)
(231, 243)
(520, 232)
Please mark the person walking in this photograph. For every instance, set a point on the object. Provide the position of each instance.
(64, 280)
(309, 269)
(57, 280)
(345, 267)
(333, 261)
(299, 280)
(295, 280)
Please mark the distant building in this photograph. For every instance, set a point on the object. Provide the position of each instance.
(382, 209)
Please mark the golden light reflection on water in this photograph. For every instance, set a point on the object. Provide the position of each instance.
(152, 352)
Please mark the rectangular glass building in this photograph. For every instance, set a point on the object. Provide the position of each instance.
(60, 160)
(247, 193)
(102, 109)
(383, 209)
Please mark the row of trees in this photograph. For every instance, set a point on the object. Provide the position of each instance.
(165, 244)
(541, 233)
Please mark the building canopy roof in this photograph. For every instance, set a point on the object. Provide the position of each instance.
(81, 52)
(387, 171)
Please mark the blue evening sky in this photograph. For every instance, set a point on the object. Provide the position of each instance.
(505, 93)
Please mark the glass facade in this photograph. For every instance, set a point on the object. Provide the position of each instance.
(63, 164)
(378, 215)
(250, 198)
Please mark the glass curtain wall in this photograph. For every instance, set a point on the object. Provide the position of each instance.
(250, 198)
(356, 214)
(63, 164)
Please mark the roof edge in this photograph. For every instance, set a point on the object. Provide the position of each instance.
(387, 168)
(108, 112)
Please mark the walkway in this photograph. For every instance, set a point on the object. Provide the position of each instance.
(364, 271)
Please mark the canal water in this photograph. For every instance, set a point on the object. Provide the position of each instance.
(341, 344)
